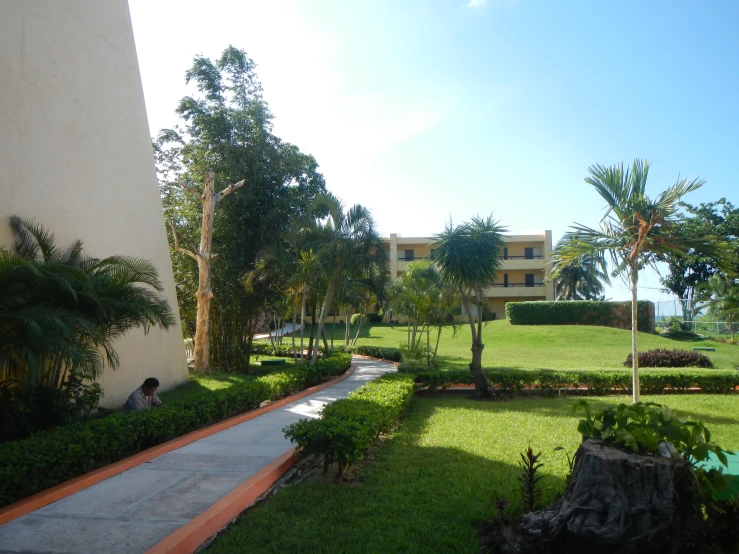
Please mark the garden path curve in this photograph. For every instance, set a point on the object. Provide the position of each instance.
(134, 510)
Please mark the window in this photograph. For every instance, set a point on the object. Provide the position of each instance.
(409, 255)
(505, 253)
(528, 253)
(505, 279)
(529, 279)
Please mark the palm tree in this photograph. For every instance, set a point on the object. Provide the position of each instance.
(60, 312)
(581, 279)
(634, 230)
(469, 257)
(724, 300)
(351, 247)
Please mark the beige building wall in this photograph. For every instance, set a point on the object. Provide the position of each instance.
(75, 154)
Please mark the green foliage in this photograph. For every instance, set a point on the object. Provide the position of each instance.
(382, 353)
(671, 358)
(348, 427)
(529, 480)
(641, 427)
(375, 318)
(578, 313)
(50, 457)
(356, 318)
(657, 381)
(582, 278)
(226, 127)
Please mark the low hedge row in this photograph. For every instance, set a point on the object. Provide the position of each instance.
(348, 426)
(590, 312)
(654, 381)
(50, 457)
(383, 353)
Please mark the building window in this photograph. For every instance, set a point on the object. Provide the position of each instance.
(505, 279)
(529, 279)
(505, 253)
(528, 253)
(409, 255)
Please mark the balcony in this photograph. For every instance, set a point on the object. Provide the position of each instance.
(413, 259)
(516, 290)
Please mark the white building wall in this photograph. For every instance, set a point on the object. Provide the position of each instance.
(75, 154)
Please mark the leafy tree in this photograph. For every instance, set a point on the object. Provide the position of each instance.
(226, 128)
(685, 274)
(469, 257)
(581, 279)
(635, 231)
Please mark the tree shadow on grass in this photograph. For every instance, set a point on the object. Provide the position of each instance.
(408, 498)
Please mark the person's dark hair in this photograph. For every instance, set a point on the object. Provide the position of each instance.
(150, 383)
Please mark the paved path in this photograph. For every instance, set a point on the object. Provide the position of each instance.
(136, 509)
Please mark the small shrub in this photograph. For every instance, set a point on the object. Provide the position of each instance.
(347, 427)
(375, 318)
(50, 457)
(671, 358)
(529, 481)
(356, 318)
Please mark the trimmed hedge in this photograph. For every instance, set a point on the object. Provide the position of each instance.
(670, 358)
(383, 353)
(579, 312)
(348, 427)
(51, 457)
(654, 381)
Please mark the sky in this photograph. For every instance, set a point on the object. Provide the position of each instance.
(431, 110)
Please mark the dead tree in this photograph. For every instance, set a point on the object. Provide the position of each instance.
(203, 256)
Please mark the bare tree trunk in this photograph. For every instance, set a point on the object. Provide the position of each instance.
(333, 330)
(269, 331)
(438, 337)
(347, 327)
(482, 384)
(302, 324)
(359, 328)
(428, 346)
(312, 325)
(209, 199)
(322, 318)
(634, 327)
(295, 316)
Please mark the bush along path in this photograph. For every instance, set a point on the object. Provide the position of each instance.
(135, 510)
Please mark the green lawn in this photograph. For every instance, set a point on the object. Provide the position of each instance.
(436, 478)
(542, 346)
(217, 380)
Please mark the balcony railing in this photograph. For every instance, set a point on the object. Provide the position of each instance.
(518, 285)
(523, 257)
(412, 259)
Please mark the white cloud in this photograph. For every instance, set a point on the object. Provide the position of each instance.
(477, 3)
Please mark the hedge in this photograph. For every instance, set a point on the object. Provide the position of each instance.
(606, 314)
(383, 353)
(348, 427)
(662, 357)
(654, 381)
(51, 457)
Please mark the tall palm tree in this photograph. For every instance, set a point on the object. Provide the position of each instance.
(634, 230)
(60, 312)
(469, 257)
(581, 279)
(351, 247)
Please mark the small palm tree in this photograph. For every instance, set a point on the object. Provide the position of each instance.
(61, 312)
(469, 257)
(724, 300)
(634, 230)
(581, 279)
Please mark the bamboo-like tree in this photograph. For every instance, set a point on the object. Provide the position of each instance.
(209, 198)
(634, 231)
(469, 257)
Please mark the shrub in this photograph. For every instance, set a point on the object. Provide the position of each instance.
(356, 318)
(380, 352)
(375, 318)
(347, 427)
(670, 358)
(655, 381)
(50, 457)
(607, 314)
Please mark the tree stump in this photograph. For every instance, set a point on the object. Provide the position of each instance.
(618, 502)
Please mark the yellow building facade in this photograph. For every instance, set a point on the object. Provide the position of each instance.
(520, 278)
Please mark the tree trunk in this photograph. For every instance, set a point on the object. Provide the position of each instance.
(269, 331)
(634, 327)
(618, 502)
(333, 331)
(347, 327)
(359, 328)
(302, 325)
(483, 387)
(209, 199)
(295, 317)
(322, 318)
(438, 338)
(314, 301)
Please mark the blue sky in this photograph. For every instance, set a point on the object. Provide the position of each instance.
(426, 110)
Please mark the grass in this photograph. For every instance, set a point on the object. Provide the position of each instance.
(217, 380)
(541, 346)
(436, 478)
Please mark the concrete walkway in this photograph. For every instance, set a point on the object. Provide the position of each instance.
(133, 511)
